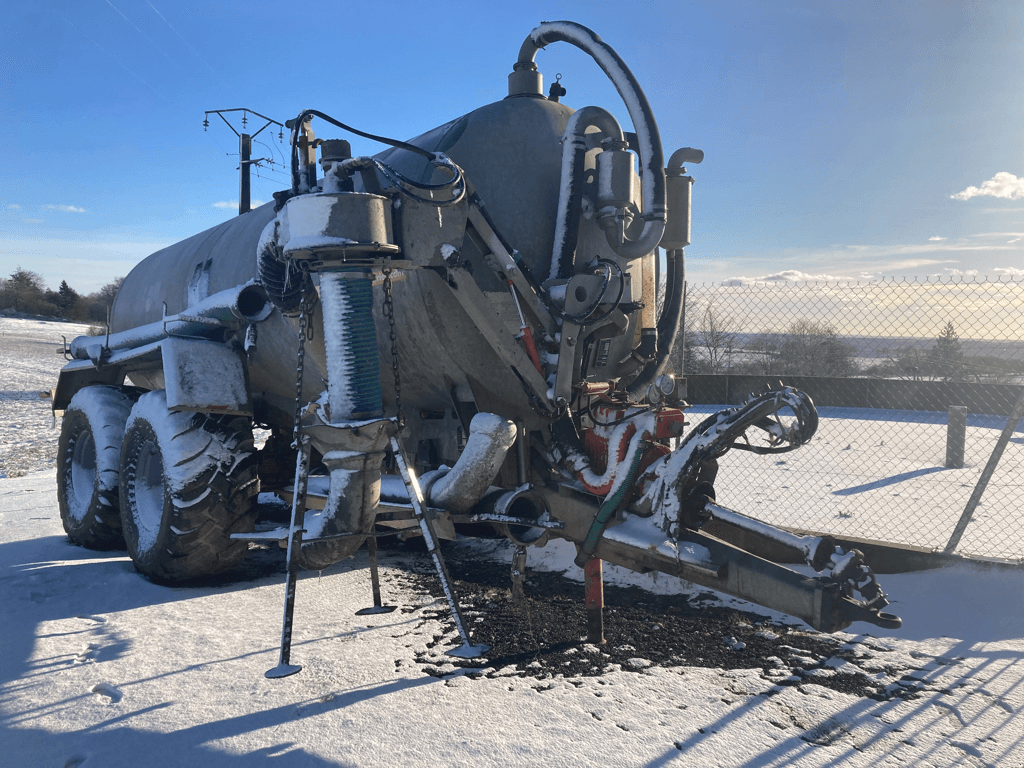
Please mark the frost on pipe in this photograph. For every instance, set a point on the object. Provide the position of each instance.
(652, 159)
(242, 304)
(490, 437)
(571, 190)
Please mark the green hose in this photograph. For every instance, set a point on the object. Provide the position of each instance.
(611, 503)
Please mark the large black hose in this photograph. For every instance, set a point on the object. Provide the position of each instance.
(670, 326)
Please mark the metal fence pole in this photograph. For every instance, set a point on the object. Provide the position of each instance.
(956, 436)
(986, 475)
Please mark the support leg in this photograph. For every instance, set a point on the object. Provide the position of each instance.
(284, 668)
(518, 574)
(594, 601)
(371, 548)
(467, 650)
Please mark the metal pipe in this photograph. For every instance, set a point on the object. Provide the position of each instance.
(669, 326)
(652, 159)
(490, 437)
(676, 236)
(242, 304)
(816, 550)
(574, 150)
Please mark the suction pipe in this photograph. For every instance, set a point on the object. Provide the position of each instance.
(652, 159)
(574, 150)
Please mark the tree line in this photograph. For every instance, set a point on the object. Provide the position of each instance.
(713, 344)
(26, 292)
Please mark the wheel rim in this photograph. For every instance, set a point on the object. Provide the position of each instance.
(83, 475)
(148, 509)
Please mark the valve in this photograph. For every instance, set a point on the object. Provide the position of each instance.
(616, 188)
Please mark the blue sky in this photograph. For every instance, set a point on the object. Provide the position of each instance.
(842, 139)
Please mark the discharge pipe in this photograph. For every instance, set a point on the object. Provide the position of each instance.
(652, 159)
(242, 304)
(461, 487)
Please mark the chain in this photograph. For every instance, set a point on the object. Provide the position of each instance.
(305, 324)
(388, 310)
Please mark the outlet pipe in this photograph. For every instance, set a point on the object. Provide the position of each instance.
(461, 487)
(652, 159)
(228, 309)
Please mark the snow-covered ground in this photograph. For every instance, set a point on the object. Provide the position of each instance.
(99, 667)
(880, 474)
(29, 361)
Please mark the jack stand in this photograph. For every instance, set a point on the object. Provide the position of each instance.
(518, 575)
(371, 548)
(284, 668)
(467, 650)
(593, 578)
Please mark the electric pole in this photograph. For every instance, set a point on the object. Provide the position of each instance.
(245, 161)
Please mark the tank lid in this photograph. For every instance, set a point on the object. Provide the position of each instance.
(525, 80)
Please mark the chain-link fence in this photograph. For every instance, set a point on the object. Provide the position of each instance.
(914, 383)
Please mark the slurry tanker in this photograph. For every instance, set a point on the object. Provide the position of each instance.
(468, 333)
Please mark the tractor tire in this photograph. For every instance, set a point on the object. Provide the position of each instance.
(188, 481)
(88, 461)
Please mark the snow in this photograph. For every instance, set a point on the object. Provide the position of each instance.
(100, 667)
(883, 481)
(29, 361)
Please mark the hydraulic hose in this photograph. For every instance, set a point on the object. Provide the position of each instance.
(670, 325)
(652, 159)
(671, 322)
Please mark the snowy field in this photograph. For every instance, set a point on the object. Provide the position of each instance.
(29, 362)
(880, 474)
(99, 667)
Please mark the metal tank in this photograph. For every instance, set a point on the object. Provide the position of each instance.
(481, 324)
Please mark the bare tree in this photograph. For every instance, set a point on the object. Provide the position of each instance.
(716, 335)
(813, 348)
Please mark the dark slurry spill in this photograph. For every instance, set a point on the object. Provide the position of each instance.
(544, 635)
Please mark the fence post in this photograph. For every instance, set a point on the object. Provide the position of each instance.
(956, 436)
(986, 475)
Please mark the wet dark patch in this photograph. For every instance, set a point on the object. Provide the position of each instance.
(544, 635)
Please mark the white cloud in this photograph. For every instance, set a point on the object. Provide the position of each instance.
(1008, 271)
(1004, 185)
(935, 239)
(33, 221)
(916, 263)
(786, 276)
(64, 208)
(228, 205)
